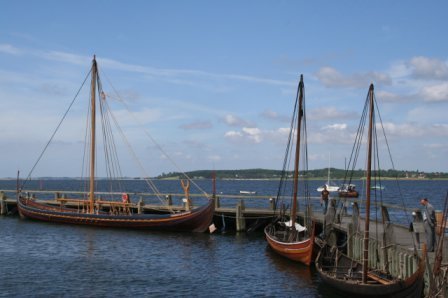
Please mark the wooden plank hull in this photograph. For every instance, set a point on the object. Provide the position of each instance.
(299, 251)
(376, 287)
(348, 194)
(197, 220)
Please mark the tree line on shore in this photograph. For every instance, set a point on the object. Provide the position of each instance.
(339, 174)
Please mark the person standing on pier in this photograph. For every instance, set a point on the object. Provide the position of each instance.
(429, 220)
(324, 198)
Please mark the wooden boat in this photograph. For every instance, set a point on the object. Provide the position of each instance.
(348, 191)
(287, 237)
(119, 214)
(197, 220)
(345, 275)
(358, 278)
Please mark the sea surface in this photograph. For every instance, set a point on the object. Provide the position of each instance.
(54, 260)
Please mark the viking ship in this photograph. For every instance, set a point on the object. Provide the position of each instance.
(92, 209)
(285, 235)
(364, 276)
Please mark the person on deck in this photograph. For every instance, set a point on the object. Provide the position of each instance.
(429, 220)
(324, 198)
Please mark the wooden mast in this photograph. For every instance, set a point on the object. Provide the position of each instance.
(92, 140)
(297, 155)
(369, 176)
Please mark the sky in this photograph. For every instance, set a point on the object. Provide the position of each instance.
(213, 83)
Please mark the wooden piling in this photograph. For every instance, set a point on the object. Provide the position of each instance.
(239, 218)
(140, 205)
(217, 202)
(272, 203)
(3, 206)
(169, 200)
(350, 240)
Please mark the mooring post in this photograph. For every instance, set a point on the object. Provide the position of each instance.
(355, 217)
(350, 240)
(169, 200)
(272, 203)
(329, 217)
(217, 203)
(140, 205)
(387, 237)
(3, 207)
(240, 222)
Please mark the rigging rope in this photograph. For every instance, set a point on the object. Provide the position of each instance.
(120, 99)
(377, 171)
(286, 181)
(286, 160)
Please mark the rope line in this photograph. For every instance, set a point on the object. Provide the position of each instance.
(123, 102)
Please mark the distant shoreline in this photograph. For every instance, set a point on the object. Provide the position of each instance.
(268, 174)
(231, 179)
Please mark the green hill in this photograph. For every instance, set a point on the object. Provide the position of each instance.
(338, 174)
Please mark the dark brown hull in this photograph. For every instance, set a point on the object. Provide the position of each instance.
(348, 194)
(197, 220)
(353, 287)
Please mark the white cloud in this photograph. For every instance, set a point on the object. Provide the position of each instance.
(254, 134)
(233, 120)
(435, 93)
(415, 130)
(214, 158)
(326, 113)
(197, 125)
(429, 68)
(331, 136)
(336, 126)
(233, 135)
(269, 114)
(66, 57)
(9, 49)
(140, 117)
(330, 77)
(437, 146)
(386, 96)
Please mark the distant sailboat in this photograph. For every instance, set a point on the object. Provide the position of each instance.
(247, 192)
(328, 185)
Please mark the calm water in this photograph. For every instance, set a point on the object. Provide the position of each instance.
(43, 259)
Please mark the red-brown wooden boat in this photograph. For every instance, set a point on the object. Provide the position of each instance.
(288, 238)
(194, 220)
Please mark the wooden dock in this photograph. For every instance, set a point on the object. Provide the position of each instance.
(238, 213)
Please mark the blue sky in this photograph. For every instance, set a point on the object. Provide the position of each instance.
(213, 82)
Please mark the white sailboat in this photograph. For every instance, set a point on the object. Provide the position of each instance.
(330, 188)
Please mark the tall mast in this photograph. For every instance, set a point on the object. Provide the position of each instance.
(369, 176)
(92, 140)
(297, 155)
